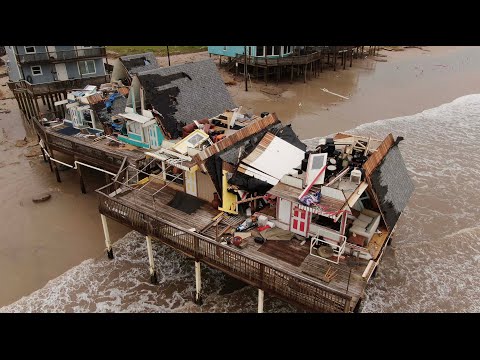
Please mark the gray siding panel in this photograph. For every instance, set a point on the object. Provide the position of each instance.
(46, 76)
(13, 71)
(72, 70)
(38, 49)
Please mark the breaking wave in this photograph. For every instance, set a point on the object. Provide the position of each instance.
(431, 266)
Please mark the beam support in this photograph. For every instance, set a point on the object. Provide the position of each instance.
(260, 300)
(107, 236)
(153, 274)
(198, 283)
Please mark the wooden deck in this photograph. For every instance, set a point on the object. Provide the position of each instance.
(377, 242)
(157, 206)
(96, 153)
(282, 268)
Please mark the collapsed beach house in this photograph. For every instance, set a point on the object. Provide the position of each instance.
(233, 190)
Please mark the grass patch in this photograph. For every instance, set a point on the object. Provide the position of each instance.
(158, 50)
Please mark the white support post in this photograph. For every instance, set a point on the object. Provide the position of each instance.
(198, 282)
(107, 236)
(260, 300)
(153, 274)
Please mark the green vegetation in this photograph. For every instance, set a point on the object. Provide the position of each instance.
(158, 50)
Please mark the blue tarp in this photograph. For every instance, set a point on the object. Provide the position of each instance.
(111, 99)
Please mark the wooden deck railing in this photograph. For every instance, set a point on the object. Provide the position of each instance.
(71, 145)
(61, 56)
(57, 86)
(252, 269)
(291, 59)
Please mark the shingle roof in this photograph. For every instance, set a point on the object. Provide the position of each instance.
(184, 93)
(393, 186)
(136, 63)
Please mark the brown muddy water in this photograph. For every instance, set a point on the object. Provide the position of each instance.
(431, 266)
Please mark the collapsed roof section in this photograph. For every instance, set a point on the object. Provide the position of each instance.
(139, 62)
(392, 185)
(184, 93)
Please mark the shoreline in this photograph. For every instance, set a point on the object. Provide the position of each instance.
(43, 241)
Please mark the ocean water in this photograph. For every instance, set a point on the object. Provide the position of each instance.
(431, 266)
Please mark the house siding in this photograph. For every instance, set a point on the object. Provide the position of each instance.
(13, 70)
(46, 76)
(73, 73)
(231, 51)
(38, 49)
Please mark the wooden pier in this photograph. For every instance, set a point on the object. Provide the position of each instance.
(283, 269)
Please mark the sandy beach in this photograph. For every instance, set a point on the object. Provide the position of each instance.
(41, 241)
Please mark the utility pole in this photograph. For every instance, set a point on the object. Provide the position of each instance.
(245, 69)
(168, 55)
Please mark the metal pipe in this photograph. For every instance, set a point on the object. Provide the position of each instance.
(75, 163)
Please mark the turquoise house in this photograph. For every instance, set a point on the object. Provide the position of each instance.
(142, 131)
(259, 51)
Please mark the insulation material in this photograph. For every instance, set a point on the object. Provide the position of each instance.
(265, 157)
(228, 199)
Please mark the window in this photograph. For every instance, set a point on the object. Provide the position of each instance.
(276, 50)
(224, 48)
(30, 50)
(86, 67)
(269, 50)
(260, 51)
(36, 70)
(286, 50)
(134, 128)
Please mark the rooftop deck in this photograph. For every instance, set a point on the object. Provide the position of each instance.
(282, 268)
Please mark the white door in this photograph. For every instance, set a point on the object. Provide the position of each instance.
(52, 51)
(61, 71)
(191, 182)
(284, 211)
(300, 220)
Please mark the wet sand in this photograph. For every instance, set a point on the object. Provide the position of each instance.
(41, 241)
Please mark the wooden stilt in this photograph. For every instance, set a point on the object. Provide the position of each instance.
(335, 60)
(107, 236)
(43, 100)
(291, 73)
(82, 183)
(198, 283)
(351, 57)
(37, 107)
(260, 301)
(55, 168)
(305, 73)
(153, 274)
(344, 59)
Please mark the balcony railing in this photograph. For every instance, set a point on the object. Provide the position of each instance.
(60, 56)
